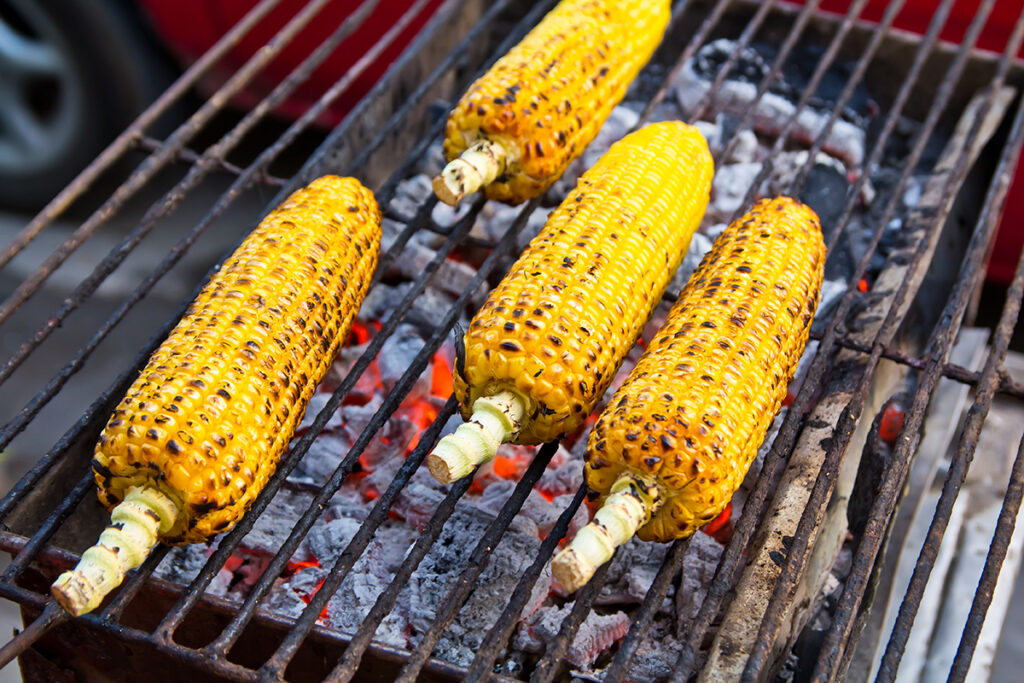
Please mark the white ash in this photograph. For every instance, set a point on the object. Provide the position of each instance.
(772, 111)
(654, 659)
(744, 148)
(698, 569)
(369, 577)
(496, 219)
(397, 355)
(631, 574)
(416, 503)
(831, 292)
(440, 569)
(322, 458)
(423, 314)
(596, 634)
(274, 526)
(565, 479)
(410, 194)
(445, 216)
(452, 277)
(317, 402)
(729, 188)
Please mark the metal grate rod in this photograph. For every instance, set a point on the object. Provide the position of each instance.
(124, 142)
(153, 164)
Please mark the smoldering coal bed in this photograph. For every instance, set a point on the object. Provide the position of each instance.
(831, 174)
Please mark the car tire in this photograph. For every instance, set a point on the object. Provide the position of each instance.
(73, 74)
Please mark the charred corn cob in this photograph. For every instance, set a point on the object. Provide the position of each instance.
(202, 428)
(677, 438)
(519, 126)
(544, 347)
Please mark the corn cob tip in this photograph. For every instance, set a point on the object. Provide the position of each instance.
(123, 545)
(476, 167)
(495, 420)
(632, 502)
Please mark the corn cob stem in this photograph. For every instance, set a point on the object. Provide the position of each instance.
(476, 167)
(123, 545)
(632, 502)
(496, 419)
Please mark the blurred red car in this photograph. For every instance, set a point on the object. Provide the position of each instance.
(190, 27)
(75, 73)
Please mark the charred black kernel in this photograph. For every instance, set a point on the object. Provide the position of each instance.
(510, 346)
(173, 447)
(652, 460)
(220, 440)
(517, 313)
(632, 436)
(743, 269)
(510, 327)
(200, 509)
(153, 434)
(224, 394)
(555, 340)
(102, 470)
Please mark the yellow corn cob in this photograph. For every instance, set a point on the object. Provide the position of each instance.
(677, 438)
(517, 128)
(542, 350)
(202, 428)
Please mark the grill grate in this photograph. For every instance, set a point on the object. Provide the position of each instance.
(707, 22)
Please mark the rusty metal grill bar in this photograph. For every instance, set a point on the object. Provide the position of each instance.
(796, 559)
(979, 409)
(186, 131)
(173, 198)
(213, 656)
(129, 137)
(731, 563)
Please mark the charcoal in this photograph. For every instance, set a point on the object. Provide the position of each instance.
(655, 658)
(445, 216)
(729, 188)
(390, 230)
(596, 634)
(326, 541)
(745, 148)
(416, 503)
(433, 160)
(316, 403)
(563, 480)
(397, 354)
(698, 568)
(322, 458)
(543, 513)
(453, 277)
(274, 526)
(183, 563)
(831, 292)
(422, 315)
(410, 194)
(494, 496)
(845, 138)
(496, 219)
(825, 191)
(283, 600)
(437, 573)
(632, 572)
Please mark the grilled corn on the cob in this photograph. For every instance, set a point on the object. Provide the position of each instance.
(520, 125)
(202, 428)
(544, 347)
(677, 438)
